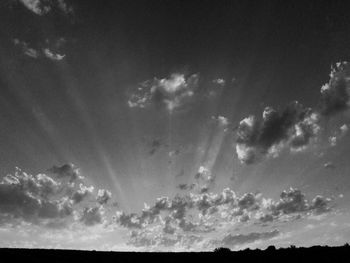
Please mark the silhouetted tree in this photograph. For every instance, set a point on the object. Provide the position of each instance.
(222, 250)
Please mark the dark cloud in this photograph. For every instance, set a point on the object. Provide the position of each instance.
(82, 193)
(335, 96)
(32, 198)
(66, 171)
(183, 186)
(293, 128)
(44, 200)
(92, 215)
(103, 196)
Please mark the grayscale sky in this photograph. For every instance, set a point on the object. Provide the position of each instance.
(174, 125)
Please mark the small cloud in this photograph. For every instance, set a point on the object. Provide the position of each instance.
(30, 52)
(338, 134)
(53, 56)
(219, 81)
(221, 121)
(171, 93)
(103, 196)
(40, 52)
(329, 165)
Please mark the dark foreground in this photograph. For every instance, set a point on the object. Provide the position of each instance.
(313, 254)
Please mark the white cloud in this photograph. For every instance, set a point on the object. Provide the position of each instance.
(43, 7)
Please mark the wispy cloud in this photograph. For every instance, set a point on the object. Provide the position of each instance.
(45, 52)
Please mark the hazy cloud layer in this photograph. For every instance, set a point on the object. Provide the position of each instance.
(232, 241)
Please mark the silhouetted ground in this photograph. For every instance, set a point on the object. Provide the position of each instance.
(312, 254)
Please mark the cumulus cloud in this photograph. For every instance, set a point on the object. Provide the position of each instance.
(172, 92)
(66, 171)
(293, 201)
(293, 128)
(30, 198)
(42, 7)
(202, 213)
(103, 196)
(335, 95)
(42, 199)
(92, 215)
(83, 192)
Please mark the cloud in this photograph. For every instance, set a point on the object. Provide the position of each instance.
(338, 134)
(335, 95)
(44, 200)
(30, 52)
(221, 121)
(66, 171)
(293, 201)
(205, 175)
(232, 241)
(30, 198)
(92, 215)
(103, 196)
(293, 128)
(43, 7)
(53, 56)
(329, 165)
(219, 81)
(38, 7)
(171, 93)
(203, 213)
(81, 193)
(45, 52)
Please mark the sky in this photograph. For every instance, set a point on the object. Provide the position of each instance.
(174, 125)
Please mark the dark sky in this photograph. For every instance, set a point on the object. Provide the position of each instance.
(144, 95)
